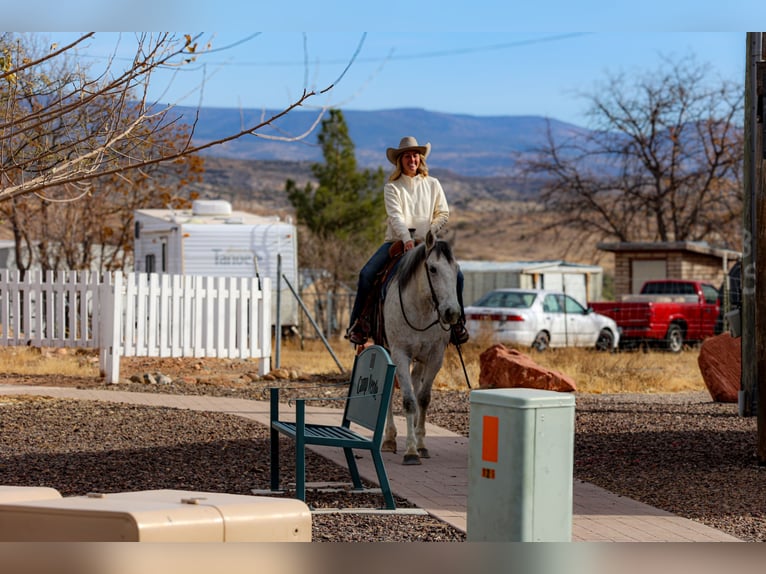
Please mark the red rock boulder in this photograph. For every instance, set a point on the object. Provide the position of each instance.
(720, 362)
(503, 368)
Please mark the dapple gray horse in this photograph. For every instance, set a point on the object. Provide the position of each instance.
(420, 307)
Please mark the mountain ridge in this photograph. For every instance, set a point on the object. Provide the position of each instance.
(468, 145)
(495, 214)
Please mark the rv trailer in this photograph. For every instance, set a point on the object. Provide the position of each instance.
(213, 240)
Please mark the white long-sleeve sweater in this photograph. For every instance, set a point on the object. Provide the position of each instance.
(414, 202)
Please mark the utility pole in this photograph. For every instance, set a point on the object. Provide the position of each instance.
(755, 227)
(759, 232)
(749, 384)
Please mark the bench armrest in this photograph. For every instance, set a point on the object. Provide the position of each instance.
(274, 401)
(315, 399)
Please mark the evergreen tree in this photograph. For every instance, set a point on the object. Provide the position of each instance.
(346, 205)
(341, 221)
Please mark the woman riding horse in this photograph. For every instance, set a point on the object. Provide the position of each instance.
(415, 204)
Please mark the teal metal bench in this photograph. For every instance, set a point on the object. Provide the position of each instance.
(366, 405)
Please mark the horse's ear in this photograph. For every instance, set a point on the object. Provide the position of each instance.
(430, 240)
(451, 237)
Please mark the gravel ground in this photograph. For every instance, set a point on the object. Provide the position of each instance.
(679, 452)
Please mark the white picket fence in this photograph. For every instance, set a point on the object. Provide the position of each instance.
(138, 315)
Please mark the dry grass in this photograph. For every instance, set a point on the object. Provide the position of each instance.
(627, 371)
(34, 361)
(593, 372)
(623, 372)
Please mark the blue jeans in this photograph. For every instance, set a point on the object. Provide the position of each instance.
(367, 275)
(369, 272)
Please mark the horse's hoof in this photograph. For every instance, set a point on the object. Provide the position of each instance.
(388, 446)
(423, 452)
(411, 459)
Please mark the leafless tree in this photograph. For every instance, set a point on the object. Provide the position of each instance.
(662, 160)
(67, 136)
(43, 142)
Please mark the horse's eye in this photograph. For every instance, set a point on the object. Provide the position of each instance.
(432, 269)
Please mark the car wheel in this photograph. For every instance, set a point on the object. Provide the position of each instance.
(605, 341)
(674, 339)
(541, 342)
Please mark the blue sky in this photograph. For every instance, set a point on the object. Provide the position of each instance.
(487, 74)
(484, 57)
(401, 15)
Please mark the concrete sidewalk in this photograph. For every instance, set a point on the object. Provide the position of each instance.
(440, 484)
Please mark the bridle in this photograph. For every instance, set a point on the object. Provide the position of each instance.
(434, 299)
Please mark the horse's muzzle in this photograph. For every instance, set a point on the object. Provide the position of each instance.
(450, 315)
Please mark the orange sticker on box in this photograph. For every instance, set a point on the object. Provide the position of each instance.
(489, 438)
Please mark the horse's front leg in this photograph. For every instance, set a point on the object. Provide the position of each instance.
(423, 376)
(409, 406)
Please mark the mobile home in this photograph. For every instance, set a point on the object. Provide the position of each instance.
(211, 239)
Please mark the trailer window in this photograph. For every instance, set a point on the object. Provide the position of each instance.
(150, 263)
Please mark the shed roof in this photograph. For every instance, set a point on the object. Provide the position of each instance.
(700, 247)
(528, 266)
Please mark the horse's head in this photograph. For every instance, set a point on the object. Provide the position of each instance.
(433, 266)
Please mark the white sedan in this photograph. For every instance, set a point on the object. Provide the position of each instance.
(539, 319)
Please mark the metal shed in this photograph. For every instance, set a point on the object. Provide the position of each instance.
(583, 282)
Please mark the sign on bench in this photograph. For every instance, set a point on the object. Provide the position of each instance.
(366, 405)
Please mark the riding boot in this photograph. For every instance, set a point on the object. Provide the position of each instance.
(358, 332)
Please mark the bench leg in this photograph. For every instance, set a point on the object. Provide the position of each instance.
(300, 451)
(383, 479)
(352, 468)
(300, 468)
(274, 441)
(274, 438)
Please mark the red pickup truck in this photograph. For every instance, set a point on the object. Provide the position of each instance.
(668, 312)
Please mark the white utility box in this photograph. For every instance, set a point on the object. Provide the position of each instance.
(22, 493)
(157, 516)
(520, 464)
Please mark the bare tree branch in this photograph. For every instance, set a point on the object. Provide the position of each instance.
(35, 105)
(80, 152)
(662, 161)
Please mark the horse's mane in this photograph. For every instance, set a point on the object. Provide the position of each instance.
(414, 258)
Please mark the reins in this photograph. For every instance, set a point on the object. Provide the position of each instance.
(433, 299)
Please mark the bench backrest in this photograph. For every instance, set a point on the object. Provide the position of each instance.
(372, 381)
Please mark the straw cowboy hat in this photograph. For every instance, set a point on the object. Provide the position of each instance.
(406, 144)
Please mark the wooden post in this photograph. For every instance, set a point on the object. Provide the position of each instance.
(758, 232)
(749, 387)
